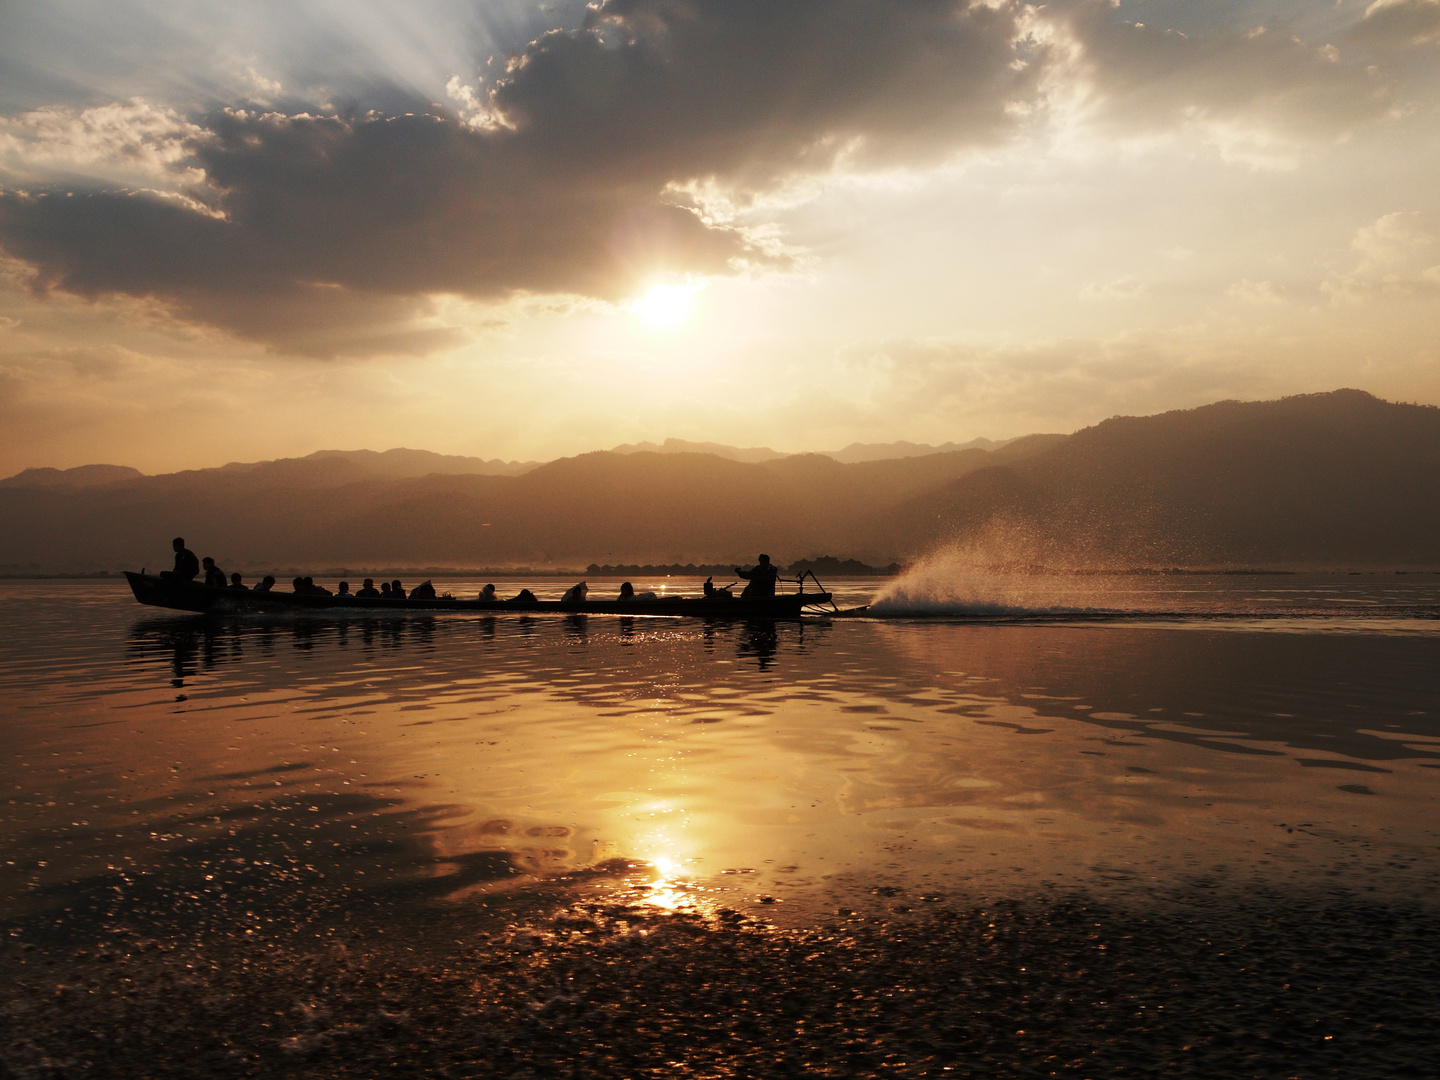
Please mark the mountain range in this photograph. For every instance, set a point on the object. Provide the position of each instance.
(855, 452)
(1320, 480)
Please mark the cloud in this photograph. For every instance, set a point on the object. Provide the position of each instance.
(128, 142)
(943, 384)
(1392, 24)
(329, 234)
(1263, 293)
(1122, 288)
(1241, 85)
(1398, 256)
(578, 168)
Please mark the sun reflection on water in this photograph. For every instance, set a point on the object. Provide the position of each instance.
(664, 892)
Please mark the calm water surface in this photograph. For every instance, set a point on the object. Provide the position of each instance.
(1180, 827)
(1275, 730)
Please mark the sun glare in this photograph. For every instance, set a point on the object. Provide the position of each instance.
(665, 306)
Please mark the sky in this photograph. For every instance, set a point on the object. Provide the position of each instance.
(527, 230)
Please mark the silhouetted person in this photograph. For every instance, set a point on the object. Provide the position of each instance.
(627, 592)
(343, 589)
(369, 591)
(487, 593)
(315, 590)
(575, 594)
(385, 590)
(266, 584)
(187, 566)
(397, 591)
(762, 580)
(237, 582)
(525, 596)
(423, 591)
(298, 584)
(712, 593)
(214, 576)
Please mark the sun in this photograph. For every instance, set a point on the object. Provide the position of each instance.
(665, 307)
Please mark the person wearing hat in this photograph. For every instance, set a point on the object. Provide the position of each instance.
(762, 580)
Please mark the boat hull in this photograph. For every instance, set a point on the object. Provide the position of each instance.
(155, 591)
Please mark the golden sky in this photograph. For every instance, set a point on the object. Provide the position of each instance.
(523, 230)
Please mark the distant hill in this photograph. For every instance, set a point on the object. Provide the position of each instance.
(851, 455)
(402, 463)
(81, 476)
(327, 467)
(754, 454)
(604, 507)
(1339, 479)
(857, 452)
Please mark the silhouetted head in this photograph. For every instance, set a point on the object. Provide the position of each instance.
(309, 582)
(178, 543)
(207, 562)
(236, 579)
(369, 583)
(267, 580)
(344, 586)
(395, 584)
(299, 583)
(764, 559)
(626, 591)
(385, 587)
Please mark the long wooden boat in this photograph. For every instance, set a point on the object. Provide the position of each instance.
(166, 592)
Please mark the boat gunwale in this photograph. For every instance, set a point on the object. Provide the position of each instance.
(153, 591)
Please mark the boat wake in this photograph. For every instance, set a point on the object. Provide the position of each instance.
(952, 583)
(962, 584)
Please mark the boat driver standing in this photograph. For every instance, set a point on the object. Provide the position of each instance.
(762, 580)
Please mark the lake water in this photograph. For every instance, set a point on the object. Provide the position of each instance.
(187, 798)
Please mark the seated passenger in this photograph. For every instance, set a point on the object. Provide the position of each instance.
(237, 582)
(396, 591)
(343, 589)
(369, 591)
(266, 584)
(627, 592)
(299, 584)
(214, 576)
(524, 596)
(423, 591)
(187, 567)
(313, 589)
(487, 593)
(712, 593)
(575, 594)
(385, 589)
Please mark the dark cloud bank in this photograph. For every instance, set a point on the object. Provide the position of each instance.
(328, 234)
(335, 227)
